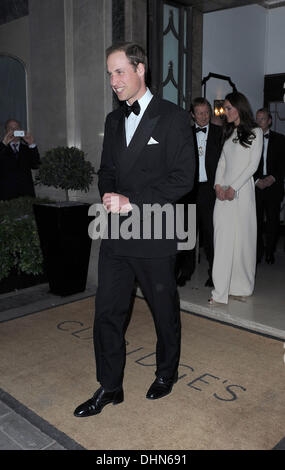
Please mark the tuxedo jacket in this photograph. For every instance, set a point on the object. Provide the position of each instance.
(15, 171)
(213, 152)
(156, 168)
(275, 162)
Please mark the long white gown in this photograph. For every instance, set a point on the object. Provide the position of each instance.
(235, 229)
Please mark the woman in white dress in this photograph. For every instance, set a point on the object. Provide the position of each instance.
(235, 229)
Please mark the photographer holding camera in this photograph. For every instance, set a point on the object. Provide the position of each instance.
(18, 156)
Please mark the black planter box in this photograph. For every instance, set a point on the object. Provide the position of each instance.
(65, 244)
(17, 281)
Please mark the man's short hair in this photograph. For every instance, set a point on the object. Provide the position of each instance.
(265, 110)
(134, 52)
(10, 120)
(198, 102)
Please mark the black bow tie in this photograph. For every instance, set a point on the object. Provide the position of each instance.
(134, 108)
(266, 136)
(201, 129)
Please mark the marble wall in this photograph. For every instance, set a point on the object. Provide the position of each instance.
(136, 21)
(92, 92)
(70, 91)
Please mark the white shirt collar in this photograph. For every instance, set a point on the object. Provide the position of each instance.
(145, 100)
(13, 144)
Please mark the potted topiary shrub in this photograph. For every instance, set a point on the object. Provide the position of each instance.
(65, 168)
(63, 226)
(21, 262)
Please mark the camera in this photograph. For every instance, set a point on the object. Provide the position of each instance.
(19, 133)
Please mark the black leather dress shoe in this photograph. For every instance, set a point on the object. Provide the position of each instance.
(270, 259)
(161, 387)
(96, 404)
(209, 282)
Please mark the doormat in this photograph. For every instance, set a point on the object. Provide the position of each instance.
(229, 396)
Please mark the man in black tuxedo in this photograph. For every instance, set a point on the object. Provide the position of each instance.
(147, 158)
(269, 184)
(18, 155)
(207, 143)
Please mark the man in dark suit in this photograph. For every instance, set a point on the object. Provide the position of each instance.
(18, 155)
(207, 143)
(147, 158)
(269, 184)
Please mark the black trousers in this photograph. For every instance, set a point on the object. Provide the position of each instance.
(268, 202)
(205, 201)
(116, 281)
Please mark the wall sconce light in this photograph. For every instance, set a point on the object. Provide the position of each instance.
(219, 110)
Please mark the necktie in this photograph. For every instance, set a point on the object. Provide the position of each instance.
(134, 108)
(266, 136)
(15, 150)
(201, 129)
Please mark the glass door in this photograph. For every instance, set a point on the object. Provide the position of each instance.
(169, 45)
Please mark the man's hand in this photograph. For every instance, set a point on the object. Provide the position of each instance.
(29, 139)
(8, 137)
(268, 181)
(260, 184)
(116, 203)
(265, 182)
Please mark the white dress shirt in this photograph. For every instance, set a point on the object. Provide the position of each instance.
(16, 145)
(201, 144)
(265, 147)
(132, 122)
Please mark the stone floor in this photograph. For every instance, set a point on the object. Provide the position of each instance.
(263, 313)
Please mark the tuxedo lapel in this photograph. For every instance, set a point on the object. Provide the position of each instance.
(131, 154)
(268, 156)
(142, 133)
(210, 141)
(270, 147)
(195, 141)
(209, 147)
(14, 153)
(121, 145)
(196, 153)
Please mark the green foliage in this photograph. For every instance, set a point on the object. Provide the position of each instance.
(20, 245)
(20, 206)
(65, 168)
